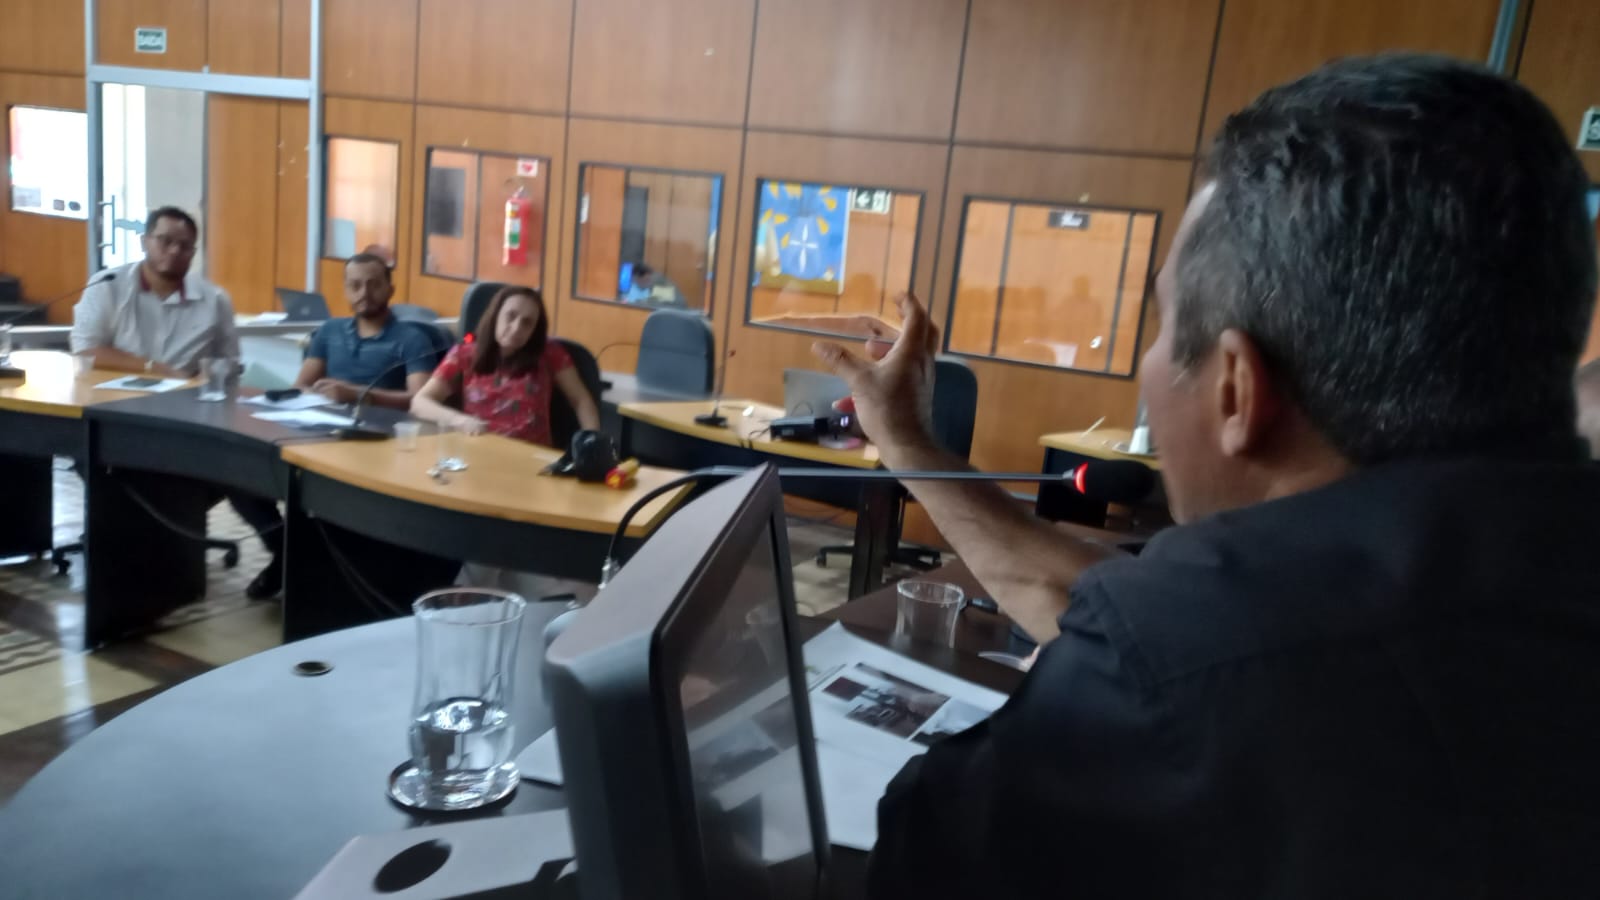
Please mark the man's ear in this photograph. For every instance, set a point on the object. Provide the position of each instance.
(1248, 402)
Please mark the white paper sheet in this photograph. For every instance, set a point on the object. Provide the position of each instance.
(313, 417)
(305, 400)
(137, 383)
(863, 736)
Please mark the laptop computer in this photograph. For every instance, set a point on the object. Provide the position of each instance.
(303, 306)
(809, 393)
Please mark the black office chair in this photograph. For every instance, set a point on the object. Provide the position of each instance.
(440, 337)
(58, 555)
(955, 413)
(677, 352)
(474, 302)
(563, 418)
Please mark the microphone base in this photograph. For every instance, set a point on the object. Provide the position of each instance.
(358, 433)
(9, 372)
(714, 420)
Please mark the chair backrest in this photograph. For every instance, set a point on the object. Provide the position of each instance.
(955, 405)
(677, 352)
(474, 302)
(413, 313)
(563, 418)
(439, 336)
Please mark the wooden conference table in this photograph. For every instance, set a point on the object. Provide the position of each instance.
(41, 417)
(244, 782)
(367, 530)
(665, 433)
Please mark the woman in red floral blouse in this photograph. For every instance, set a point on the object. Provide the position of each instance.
(504, 378)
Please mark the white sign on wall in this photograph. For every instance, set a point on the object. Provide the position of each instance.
(150, 40)
(1589, 134)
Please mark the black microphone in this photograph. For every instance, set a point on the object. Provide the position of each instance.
(715, 418)
(1111, 481)
(8, 371)
(354, 431)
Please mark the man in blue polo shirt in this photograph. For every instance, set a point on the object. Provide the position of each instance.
(370, 348)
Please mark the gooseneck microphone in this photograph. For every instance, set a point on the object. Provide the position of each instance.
(355, 431)
(1109, 481)
(715, 418)
(11, 372)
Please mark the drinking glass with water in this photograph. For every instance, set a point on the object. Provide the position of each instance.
(216, 372)
(5, 344)
(461, 730)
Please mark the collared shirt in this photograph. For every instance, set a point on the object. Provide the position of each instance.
(1386, 688)
(384, 359)
(120, 311)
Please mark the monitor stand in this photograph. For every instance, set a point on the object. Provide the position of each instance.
(512, 856)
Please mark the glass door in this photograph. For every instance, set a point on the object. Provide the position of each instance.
(152, 154)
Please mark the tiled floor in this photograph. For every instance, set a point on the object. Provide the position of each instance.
(52, 693)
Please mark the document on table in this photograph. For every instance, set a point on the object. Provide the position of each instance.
(872, 711)
(306, 400)
(141, 383)
(305, 418)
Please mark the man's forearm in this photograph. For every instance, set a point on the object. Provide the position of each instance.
(389, 399)
(1022, 560)
(120, 361)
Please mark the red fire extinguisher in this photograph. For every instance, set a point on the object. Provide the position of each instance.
(519, 227)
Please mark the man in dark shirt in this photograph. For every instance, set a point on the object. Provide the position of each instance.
(1368, 664)
(372, 347)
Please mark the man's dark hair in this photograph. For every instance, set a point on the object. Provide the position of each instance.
(1404, 237)
(171, 212)
(364, 258)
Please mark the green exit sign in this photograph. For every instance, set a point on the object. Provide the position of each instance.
(150, 40)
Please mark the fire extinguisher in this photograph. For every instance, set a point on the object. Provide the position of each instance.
(519, 225)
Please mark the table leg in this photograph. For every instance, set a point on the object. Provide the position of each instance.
(876, 514)
(26, 489)
(138, 568)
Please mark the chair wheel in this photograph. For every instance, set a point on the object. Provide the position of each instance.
(230, 557)
(822, 560)
(62, 565)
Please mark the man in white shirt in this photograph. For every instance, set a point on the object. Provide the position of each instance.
(157, 317)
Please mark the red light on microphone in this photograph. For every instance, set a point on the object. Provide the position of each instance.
(470, 337)
(1079, 478)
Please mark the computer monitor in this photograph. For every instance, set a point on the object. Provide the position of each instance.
(684, 732)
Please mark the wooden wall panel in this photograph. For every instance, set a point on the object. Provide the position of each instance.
(685, 61)
(762, 353)
(1561, 64)
(499, 54)
(294, 46)
(489, 132)
(185, 21)
(244, 36)
(242, 199)
(42, 36)
(369, 48)
(1010, 413)
(711, 151)
(375, 120)
(896, 63)
(1265, 42)
(48, 254)
(1087, 74)
(293, 147)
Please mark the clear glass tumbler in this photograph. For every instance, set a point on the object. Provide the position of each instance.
(5, 344)
(216, 373)
(461, 730)
(927, 611)
(450, 459)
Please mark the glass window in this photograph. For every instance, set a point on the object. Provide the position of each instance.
(468, 230)
(362, 198)
(49, 161)
(826, 255)
(646, 236)
(1059, 286)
